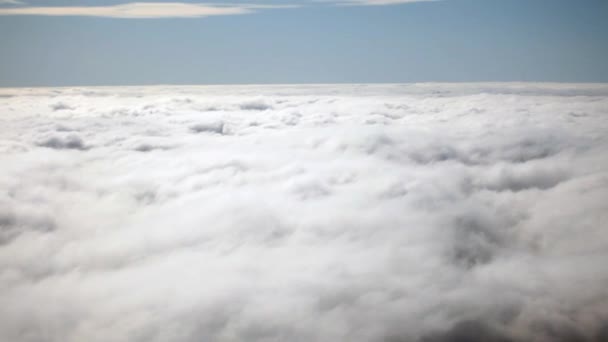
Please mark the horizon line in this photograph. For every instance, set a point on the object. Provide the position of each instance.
(302, 84)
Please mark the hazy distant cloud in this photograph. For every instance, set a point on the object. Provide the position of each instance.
(138, 10)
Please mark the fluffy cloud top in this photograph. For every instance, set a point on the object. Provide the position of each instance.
(304, 213)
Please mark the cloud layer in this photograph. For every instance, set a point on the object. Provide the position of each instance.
(304, 213)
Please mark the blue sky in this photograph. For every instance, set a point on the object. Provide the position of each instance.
(70, 42)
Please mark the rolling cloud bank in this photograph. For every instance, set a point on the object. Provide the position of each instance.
(471, 212)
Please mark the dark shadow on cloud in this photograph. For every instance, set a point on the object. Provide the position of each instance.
(483, 330)
(468, 331)
(526, 150)
(71, 142)
(255, 105)
(150, 148)
(217, 127)
(61, 106)
(13, 224)
(514, 180)
(476, 238)
(8, 221)
(63, 128)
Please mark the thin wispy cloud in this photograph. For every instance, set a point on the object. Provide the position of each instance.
(141, 10)
(11, 2)
(149, 10)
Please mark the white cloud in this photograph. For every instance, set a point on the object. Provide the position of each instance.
(140, 10)
(150, 10)
(304, 213)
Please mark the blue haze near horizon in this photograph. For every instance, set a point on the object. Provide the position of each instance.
(442, 41)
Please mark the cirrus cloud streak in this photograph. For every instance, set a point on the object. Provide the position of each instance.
(141, 10)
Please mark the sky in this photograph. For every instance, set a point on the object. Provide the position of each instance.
(77, 43)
